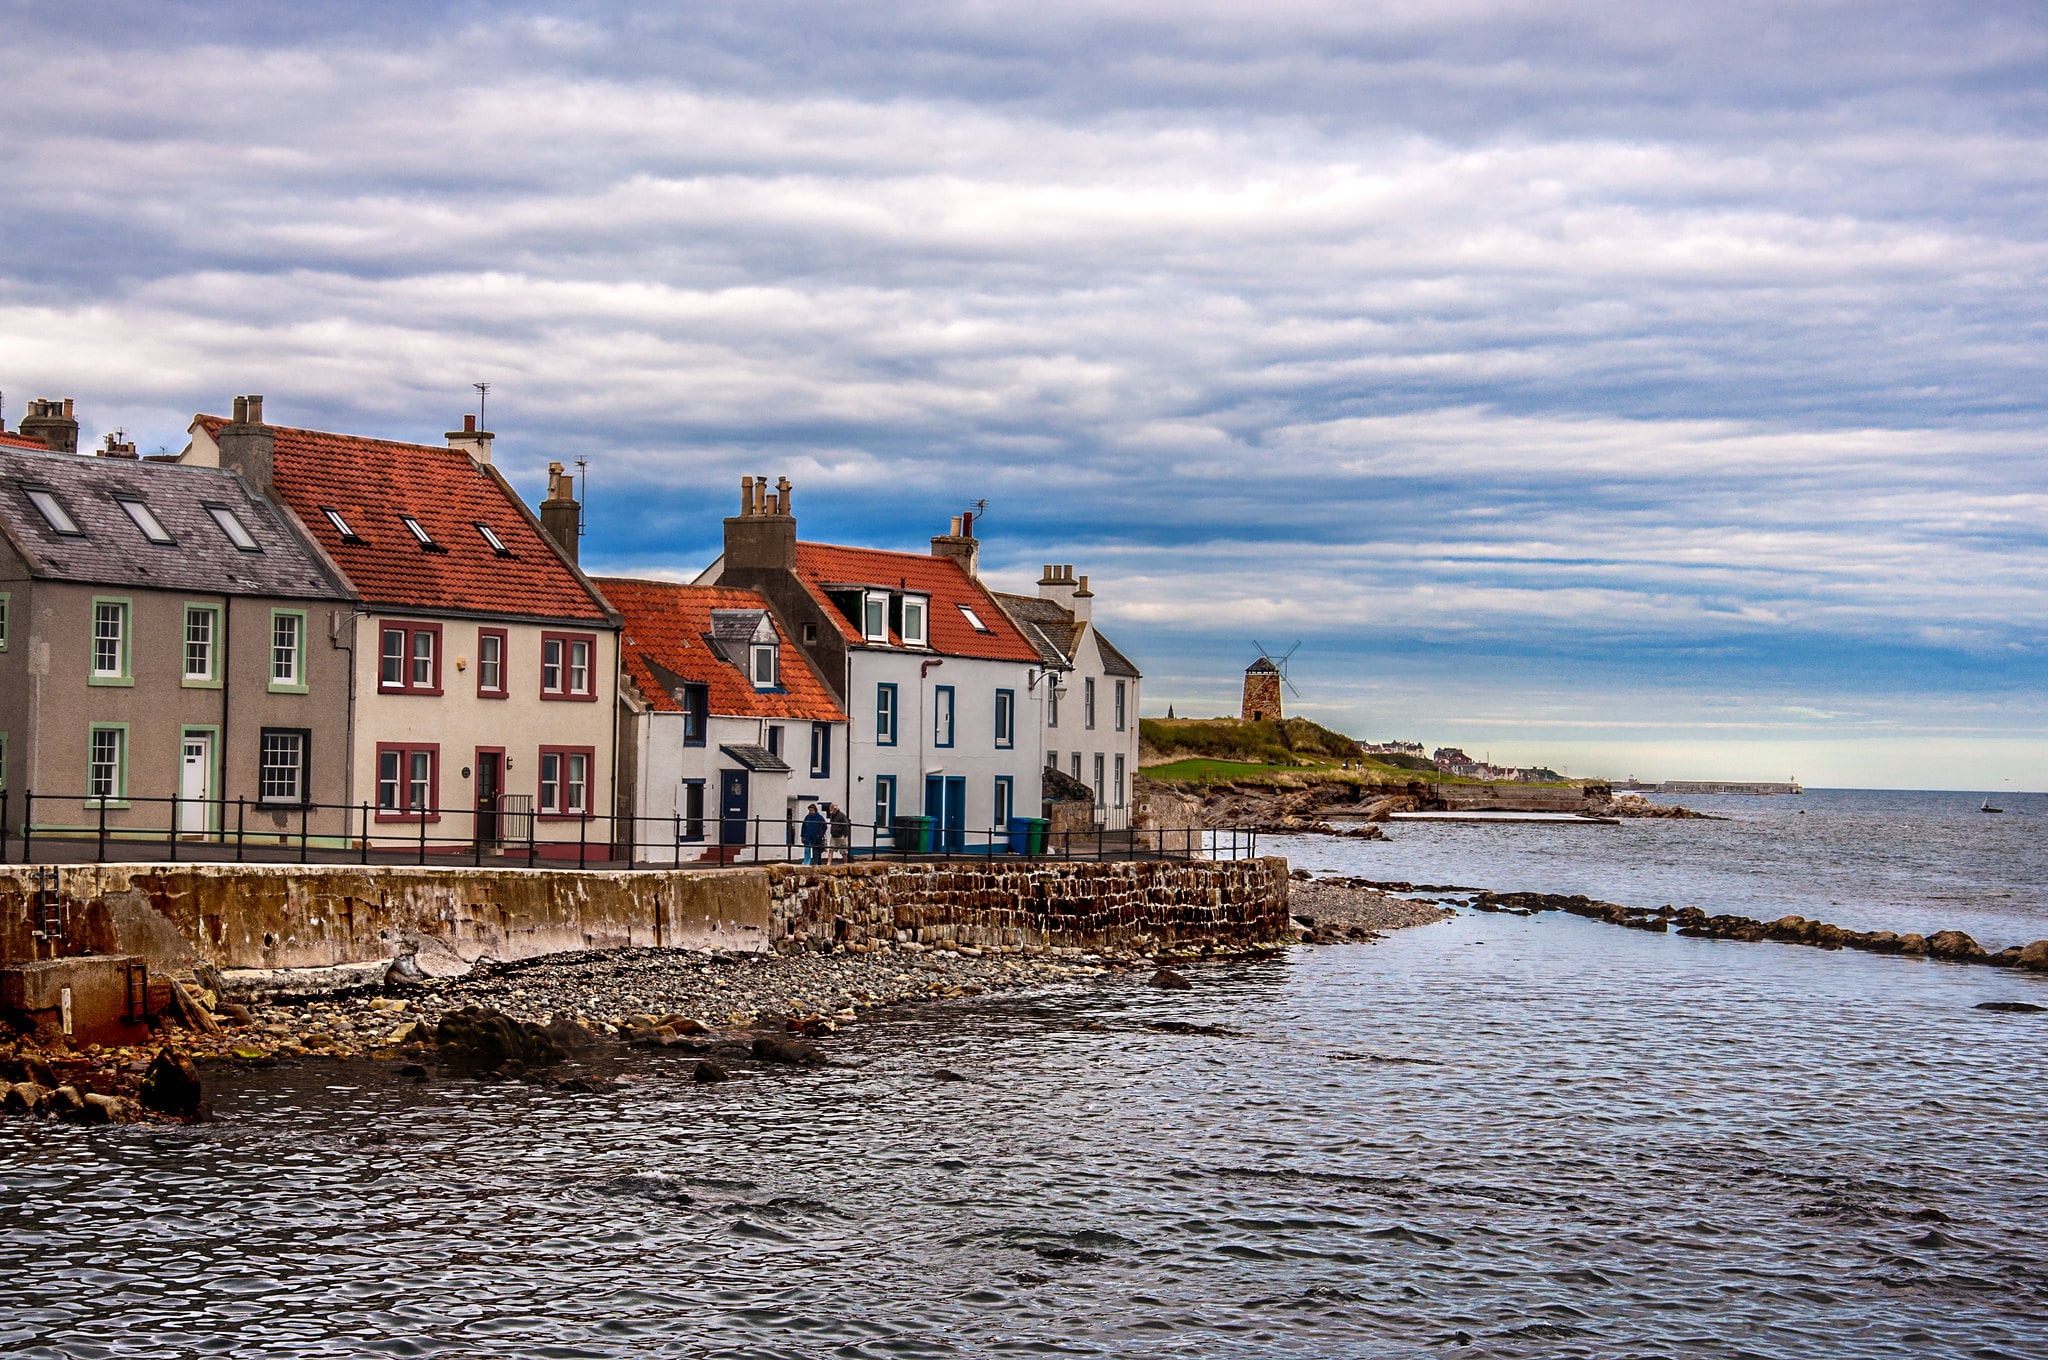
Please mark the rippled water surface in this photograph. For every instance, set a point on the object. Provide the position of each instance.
(1493, 1137)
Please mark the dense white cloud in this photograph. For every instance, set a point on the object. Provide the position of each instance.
(1584, 362)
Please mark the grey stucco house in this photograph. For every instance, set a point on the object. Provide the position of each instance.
(165, 649)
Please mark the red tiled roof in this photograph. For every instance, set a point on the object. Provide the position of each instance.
(666, 623)
(15, 441)
(371, 482)
(822, 565)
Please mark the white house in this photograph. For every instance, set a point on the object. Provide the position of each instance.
(729, 730)
(940, 687)
(1091, 714)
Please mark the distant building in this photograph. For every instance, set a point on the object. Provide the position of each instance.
(935, 677)
(164, 650)
(1392, 748)
(1091, 691)
(486, 664)
(1262, 692)
(729, 729)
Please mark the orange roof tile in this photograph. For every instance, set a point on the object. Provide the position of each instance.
(821, 566)
(371, 482)
(666, 623)
(15, 441)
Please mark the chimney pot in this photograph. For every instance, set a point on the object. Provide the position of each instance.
(782, 490)
(241, 410)
(255, 410)
(67, 409)
(967, 525)
(956, 526)
(469, 424)
(746, 495)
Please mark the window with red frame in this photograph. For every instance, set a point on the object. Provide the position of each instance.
(565, 781)
(568, 666)
(408, 783)
(409, 658)
(490, 663)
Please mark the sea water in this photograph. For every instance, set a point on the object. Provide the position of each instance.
(1492, 1137)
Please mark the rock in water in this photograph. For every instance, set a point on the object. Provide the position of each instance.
(2011, 1007)
(490, 1039)
(1171, 981)
(707, 1071)
(2034, 958)
(25, 1097)
(1955, 946)
(792, 1052)
(171, 1086)
(947, 1074)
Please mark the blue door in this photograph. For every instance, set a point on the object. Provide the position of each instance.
(945, 802)
(732, 807)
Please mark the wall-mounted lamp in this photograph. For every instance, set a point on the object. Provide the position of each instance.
(462, 663)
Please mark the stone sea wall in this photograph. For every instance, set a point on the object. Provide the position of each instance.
(272, 917)
(1138, 904)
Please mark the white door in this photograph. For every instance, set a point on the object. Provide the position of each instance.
(195, 783)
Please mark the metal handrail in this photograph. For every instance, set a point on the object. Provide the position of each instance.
(363, 834)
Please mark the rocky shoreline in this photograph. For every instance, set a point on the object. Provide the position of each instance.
(1338, 910)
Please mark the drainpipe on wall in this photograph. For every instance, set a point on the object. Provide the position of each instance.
(227, 680)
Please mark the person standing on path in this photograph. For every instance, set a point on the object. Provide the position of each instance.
(842, 833)
(814, 834)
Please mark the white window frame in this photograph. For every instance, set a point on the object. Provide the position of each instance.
(266, 768)
(765, 674)
(920, 636)
(232, 526)
(118, 611)
(53, 512)
(293, 654)
(211, 643)
(874, 625)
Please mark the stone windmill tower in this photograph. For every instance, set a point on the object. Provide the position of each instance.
(1263, 680)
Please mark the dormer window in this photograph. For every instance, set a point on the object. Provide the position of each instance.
(974, 620)
(875, 616)
(419, 533)
(915, 612)
(764, 665)
(53, 512)
(341, 526)
(237, 533)
(491, 537)
(145, 520)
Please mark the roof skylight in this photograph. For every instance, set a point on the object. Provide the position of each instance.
(975, 620)
(53, 511)
(413, 526)
(491, 537)
(145, 520)
(341, 526)
(233, 528)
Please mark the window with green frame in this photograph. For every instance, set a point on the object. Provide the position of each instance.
(287, 651)
(202, 645)
(112, 643)
(106, 770)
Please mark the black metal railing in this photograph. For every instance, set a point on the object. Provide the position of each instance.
(77, 828)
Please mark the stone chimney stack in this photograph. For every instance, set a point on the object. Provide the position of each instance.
(52, 422)
(117, 448)
(472, 441)
(1062, 587)
(561, 514)
(960, 545)
(762, 536)
(248, 446)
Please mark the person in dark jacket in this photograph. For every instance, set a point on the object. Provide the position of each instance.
(841, 827)
(814, 834)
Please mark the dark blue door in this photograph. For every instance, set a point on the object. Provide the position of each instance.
(945, 802)
(732, 807)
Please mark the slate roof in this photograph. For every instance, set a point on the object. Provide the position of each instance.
(1051, 626)
(113, 551)
(668, 642)
(758, 759)
(823, 566)
(371, 482)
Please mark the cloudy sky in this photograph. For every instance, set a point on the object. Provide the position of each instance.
(1637, 387)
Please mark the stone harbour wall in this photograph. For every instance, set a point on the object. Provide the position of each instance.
(280, 917)
(320, 916)
(1141, 904)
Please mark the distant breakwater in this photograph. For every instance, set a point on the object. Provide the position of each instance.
(1949, 946)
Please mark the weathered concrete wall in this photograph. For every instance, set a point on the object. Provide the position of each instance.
(1141, 904)
(307, 916)
(313, 916)
(1520, 798)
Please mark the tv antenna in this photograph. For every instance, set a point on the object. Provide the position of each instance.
(483, 390)
(1279, 663)
(583, 494)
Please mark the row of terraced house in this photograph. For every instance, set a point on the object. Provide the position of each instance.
(284, 636)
